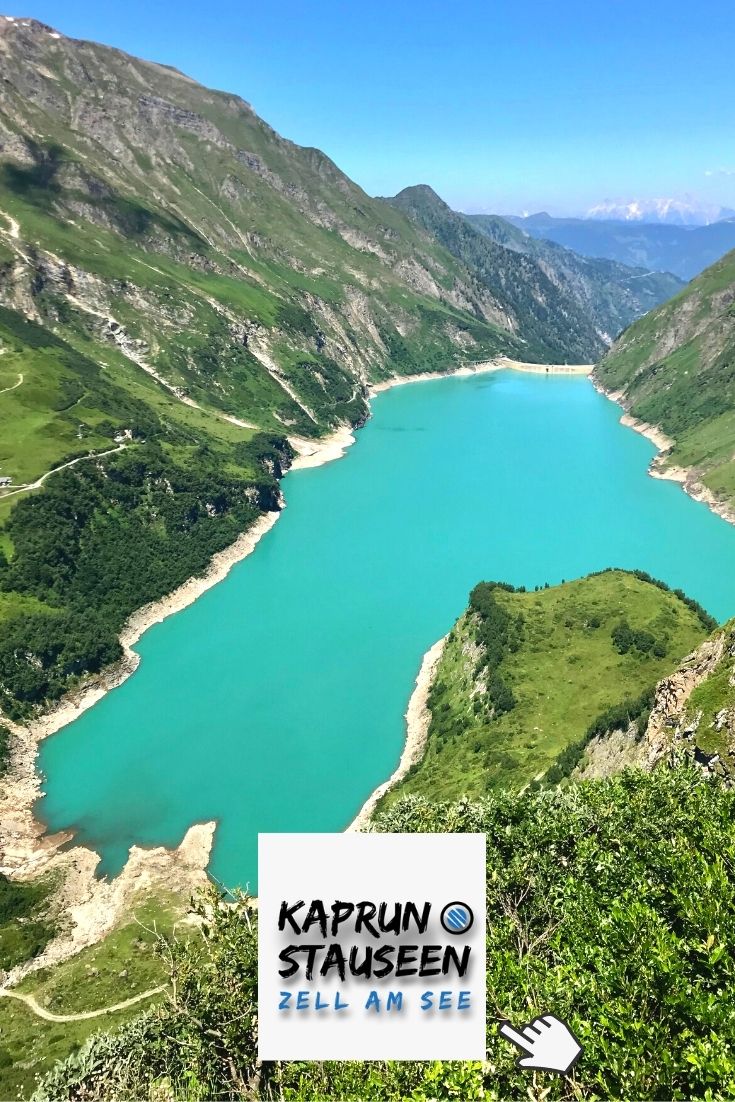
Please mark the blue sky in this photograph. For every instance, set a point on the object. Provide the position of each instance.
(499, 105)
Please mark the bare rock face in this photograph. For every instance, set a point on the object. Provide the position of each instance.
(673, 692)
(610, 753)
(676, 728)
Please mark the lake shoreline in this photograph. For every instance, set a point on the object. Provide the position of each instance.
(579, 370)
(418, 718)
(502, 363)
(428, 376)
(28, 850)
(26, 847)
(686, 477)
(24, 841)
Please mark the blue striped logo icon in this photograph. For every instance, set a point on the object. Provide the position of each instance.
(456, 918)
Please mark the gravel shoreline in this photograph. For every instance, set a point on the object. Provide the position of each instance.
(418, 718)
(687, 477)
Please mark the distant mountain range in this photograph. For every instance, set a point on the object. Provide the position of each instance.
(614, 294)
(670, 212)
(683, 250)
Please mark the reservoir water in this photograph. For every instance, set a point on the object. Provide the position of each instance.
(276, 701)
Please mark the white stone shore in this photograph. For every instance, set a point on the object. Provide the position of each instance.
(418, 718)
(688, 478)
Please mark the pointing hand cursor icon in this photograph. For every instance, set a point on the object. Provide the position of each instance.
(550, 1044)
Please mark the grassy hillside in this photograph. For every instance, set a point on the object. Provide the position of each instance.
(125, 964)
(614, 294)
(172, 485)
(26, 924)
(676, 368)
(525, 675)
(611, 903)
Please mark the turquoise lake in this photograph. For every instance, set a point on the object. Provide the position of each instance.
(276, 701)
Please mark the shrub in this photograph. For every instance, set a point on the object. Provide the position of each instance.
(611, 903)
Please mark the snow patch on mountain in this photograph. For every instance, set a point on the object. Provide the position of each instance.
(673, 212)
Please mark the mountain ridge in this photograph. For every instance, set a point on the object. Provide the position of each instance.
(684, 251)
(615, 294)
(548, 308)
(141, 191)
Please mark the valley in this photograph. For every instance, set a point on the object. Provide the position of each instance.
(209, 629)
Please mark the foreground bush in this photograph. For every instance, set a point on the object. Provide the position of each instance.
(611, 904)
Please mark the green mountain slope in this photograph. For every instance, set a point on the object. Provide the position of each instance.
(181, 289)
(142, 212)
(525, 676)
(552, 317)
(614, 294)
(675, 368)
(146, 490)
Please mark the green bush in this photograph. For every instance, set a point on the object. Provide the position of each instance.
(25, 928)
(611, 904)
(708, 622)
(498, 633)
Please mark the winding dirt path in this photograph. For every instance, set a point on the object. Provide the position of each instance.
(14, 386)
(84, 1015)
(72, 463)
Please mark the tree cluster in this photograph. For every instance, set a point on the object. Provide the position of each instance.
(104, 539)
(498, 633)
